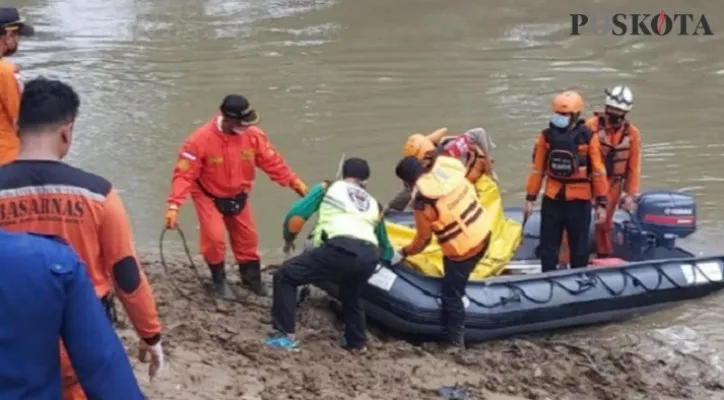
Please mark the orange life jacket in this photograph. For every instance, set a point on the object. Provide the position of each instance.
(615, 156)
(567, 156)
(459, 227)
(472, 156)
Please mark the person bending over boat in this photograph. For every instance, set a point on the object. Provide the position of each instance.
(445, 204)
(568, 156)
(46, 294)
(621, 152)
(39, 193)
(349, 240)
(217, 165)
(474, 148)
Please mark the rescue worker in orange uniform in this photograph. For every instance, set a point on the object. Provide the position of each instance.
(41, 194)
(217, 165)
(12, 28)
(446, 204)
(621, 152)
(568, 156)
(473, 148)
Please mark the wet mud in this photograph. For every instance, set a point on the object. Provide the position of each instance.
(215, 350)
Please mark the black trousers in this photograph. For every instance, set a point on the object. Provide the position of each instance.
(346, 261)
(457, 275)
(573, 216)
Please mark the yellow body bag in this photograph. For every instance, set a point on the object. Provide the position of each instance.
(504, 240)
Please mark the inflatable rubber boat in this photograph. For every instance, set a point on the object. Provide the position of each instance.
(652, 273)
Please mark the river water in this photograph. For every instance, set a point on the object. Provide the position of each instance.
(355, 77)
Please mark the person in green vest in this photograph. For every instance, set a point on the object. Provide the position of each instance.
(349, 240)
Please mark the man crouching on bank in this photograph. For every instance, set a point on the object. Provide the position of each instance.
(349, 236)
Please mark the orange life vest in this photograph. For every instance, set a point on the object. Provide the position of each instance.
(567, 155)
(459, 227)
(472, 156)
(615, 156)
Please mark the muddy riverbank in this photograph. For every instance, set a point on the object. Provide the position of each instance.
(215, 351)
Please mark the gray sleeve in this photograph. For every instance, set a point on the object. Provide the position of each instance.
(481, 138)
(401, 200)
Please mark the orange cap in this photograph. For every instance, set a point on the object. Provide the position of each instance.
(417, 145)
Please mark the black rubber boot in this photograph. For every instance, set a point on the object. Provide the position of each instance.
(219, 285)
(455, 341)
(250, 272)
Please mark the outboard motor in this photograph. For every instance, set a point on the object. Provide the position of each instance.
(660, 219)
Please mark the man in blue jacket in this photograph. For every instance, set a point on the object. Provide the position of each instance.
(46, 295)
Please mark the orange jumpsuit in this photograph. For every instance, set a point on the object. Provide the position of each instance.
(588, 183)
(53, 198)
(225, 165)
(10, 90)
(621, 153)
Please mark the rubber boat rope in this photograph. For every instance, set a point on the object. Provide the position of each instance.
(191, 265)
(586, 280)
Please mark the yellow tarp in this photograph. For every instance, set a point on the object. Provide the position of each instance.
(504, 241)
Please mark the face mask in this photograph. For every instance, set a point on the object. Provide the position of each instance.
(560, 121)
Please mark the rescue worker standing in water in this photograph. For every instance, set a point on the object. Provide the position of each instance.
(12, 28)
(621, 153)
(41, 194)
(568, 155)
(349, 240)
(445, 204)
(473, 148)
(217, 165)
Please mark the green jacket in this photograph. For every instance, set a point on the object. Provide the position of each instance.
(307, 206)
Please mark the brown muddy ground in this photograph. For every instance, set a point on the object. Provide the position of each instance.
(214, 350)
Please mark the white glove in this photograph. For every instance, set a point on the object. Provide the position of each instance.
(156, 352)
(397, 257)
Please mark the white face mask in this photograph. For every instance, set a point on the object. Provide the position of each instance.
(238, 130)
(560, 121)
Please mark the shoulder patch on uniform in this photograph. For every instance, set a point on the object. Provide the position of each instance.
(182, 165)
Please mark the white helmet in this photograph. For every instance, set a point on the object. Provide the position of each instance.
(619, 97)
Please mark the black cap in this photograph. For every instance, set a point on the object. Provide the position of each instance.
(356, 168)
(237, 107)
(10, 20)
(409, 169)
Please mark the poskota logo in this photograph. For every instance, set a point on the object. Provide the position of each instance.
(660, 24)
